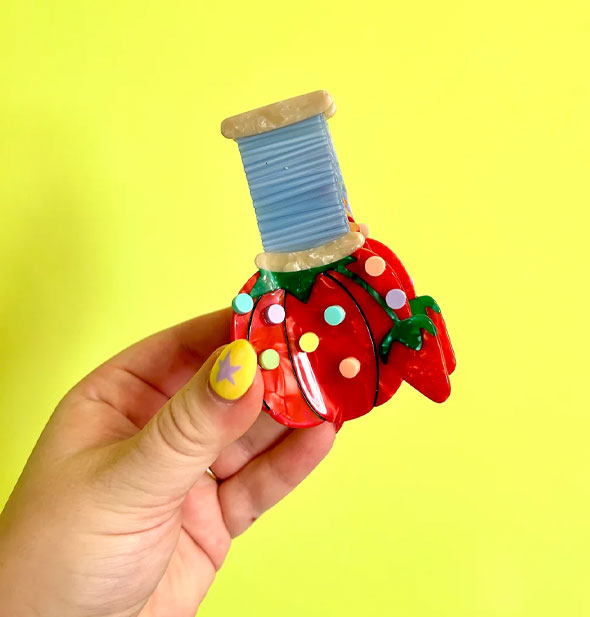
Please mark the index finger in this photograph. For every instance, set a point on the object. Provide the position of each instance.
(168, 359)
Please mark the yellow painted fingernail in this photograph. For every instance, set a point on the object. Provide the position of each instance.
(234, 370)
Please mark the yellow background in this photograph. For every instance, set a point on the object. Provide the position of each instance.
(463, 133)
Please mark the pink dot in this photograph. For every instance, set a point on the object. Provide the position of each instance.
(395, 298)
(364, 229)
(274, 314)
(349, 367)
(375, 266)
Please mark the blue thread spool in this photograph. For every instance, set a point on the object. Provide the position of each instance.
(293, 174)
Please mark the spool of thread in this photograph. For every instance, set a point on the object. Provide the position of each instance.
(293, 173)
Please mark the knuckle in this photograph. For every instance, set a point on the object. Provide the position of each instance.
(175, 428)
(281, 475)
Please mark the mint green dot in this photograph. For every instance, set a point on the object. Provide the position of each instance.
(269, 359)
(242, 304)
(334, 315)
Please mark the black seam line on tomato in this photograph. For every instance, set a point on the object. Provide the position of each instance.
(293, 366)
(327, 274)
(406, 331)
(252, 317)
(299, 283)
(248, 337)
(342, 269)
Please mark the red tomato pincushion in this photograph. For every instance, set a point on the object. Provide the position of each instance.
(390, 342)
(332, 314)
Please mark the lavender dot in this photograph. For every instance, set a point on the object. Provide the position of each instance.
(275, 314)
(395, 298)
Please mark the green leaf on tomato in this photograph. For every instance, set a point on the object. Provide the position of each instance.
(298, 283)
(408, 332)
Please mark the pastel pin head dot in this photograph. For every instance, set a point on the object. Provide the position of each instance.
(309, 342)
(242, 303)
(349, 367)
(334, 315)
(396, 298)
(274, 314)
(375, 266)
(323, 309)
(269, 359)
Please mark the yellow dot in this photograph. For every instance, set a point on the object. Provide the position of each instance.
(375, 266)
(309, 342)
(349, 367)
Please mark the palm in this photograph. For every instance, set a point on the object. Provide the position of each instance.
(185, 543)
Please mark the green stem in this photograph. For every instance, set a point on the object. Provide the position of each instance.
(419, 304)
(406, 331)
(300, 283)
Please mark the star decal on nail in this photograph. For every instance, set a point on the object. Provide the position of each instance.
(227, 370)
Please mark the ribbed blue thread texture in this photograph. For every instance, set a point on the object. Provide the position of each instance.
(296, 186)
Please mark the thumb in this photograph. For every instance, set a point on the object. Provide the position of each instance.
(218, 405)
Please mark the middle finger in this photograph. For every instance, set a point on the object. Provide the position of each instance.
(263, 434)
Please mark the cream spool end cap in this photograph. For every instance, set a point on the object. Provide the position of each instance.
(277, 115)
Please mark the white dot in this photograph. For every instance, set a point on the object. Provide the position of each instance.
(395, 298)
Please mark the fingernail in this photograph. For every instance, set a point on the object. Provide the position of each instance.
(234, 370)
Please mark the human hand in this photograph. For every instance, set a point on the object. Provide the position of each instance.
(115, 513)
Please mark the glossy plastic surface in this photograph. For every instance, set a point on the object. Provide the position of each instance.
(409, 343)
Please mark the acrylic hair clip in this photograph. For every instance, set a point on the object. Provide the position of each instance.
(332, 314)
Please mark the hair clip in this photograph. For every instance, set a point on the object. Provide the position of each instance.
(331, 313)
